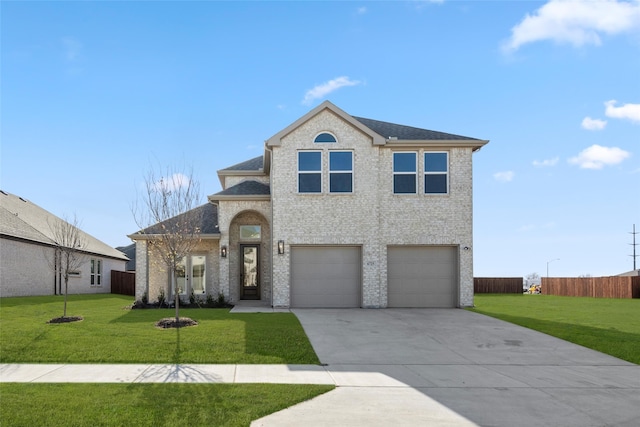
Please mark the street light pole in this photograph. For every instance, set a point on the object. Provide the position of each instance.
(550, 261)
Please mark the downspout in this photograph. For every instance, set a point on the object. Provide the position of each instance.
(266, 149)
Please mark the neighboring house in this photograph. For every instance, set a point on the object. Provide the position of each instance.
(340, 211)
(27, 255)
(129, 252)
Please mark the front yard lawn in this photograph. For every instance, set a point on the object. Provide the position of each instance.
(608, 325)
(152, 405)
(112, 333)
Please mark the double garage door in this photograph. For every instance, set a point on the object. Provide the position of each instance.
(331, 276)
(422, 276)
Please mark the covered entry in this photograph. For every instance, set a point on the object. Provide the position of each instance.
(422, 276)
(326, 276)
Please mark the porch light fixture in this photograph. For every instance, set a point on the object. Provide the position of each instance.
(280, 247)
(223, 251)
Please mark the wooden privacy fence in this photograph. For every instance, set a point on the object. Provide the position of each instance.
(123, 282)
(497, 285)
(596, 287)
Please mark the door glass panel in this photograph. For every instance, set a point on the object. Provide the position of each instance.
(198, 274)
(250, 258)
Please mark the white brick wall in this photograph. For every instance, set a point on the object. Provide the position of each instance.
(372, 217)
(27, 270)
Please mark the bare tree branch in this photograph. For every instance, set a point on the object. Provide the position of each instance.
(169, 216)
(69, 247)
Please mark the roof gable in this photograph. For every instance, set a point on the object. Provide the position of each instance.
(276, 139)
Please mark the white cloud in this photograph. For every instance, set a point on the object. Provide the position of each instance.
(546, 162)
(362, 10)
(626, 111)
(324, 89)
(575, 22)
(593, 124)
(596, 157)
(506, 176)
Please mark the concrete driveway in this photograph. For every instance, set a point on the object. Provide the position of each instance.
(451, 367)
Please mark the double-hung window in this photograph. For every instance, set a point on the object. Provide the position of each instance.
(436, 171)
(309, 171)
(340, 172)
(405, 175)
(96, 272)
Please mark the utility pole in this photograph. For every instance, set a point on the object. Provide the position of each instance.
(634, 244)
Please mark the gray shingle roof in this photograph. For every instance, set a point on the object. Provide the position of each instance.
(21, 219)
(130, 252)
(403, 132)
(204, 217)
(246, 188)
(255, 164)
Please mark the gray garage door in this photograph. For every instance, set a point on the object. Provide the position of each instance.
(325, 277)
(422, 276)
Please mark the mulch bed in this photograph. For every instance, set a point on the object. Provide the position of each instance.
(170, 322)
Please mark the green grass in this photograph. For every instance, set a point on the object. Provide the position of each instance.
(111, 333)
(146, 404)
(611, 326)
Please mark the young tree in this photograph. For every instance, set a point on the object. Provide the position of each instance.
(166, 211)
(69, 245)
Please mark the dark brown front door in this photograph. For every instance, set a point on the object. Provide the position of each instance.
(250, 272)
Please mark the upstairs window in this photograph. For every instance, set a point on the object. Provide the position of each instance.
(324, 138)
(405, 174)
(309, 172)
(436, 171)
(340, 172)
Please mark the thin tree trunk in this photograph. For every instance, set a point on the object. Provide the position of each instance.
(177, 296)
(66, 288)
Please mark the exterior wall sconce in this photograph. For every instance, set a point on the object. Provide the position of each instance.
(223, 251)
(466, 248)
(280, 247)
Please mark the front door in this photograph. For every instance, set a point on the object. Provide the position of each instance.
(250, 272)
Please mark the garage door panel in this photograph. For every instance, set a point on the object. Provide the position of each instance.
(422, 276)
(327, 277)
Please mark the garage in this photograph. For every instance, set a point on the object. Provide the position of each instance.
(422, 276)
(326, 276)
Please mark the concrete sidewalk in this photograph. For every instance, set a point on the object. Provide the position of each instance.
(164, 373)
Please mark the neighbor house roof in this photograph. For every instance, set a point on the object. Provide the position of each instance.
(130, 252)
(20, 219)
(204, 217)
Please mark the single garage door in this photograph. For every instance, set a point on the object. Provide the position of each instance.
(422, 276)
(325, 276)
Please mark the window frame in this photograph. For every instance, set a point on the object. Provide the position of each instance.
(246, 226)
(309, 172)
(434, 173)
(315, 139)
(95, 273)
(341, 171)
(405, 173)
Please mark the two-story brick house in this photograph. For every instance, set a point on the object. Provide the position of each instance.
(340, 211)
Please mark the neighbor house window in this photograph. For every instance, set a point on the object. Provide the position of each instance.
(340, 172)
(309, 172)
(96, 272)
(436, 171)
(250, 232)
(325, 137)
(405, 174)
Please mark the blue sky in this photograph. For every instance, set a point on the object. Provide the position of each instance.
(95, 93)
